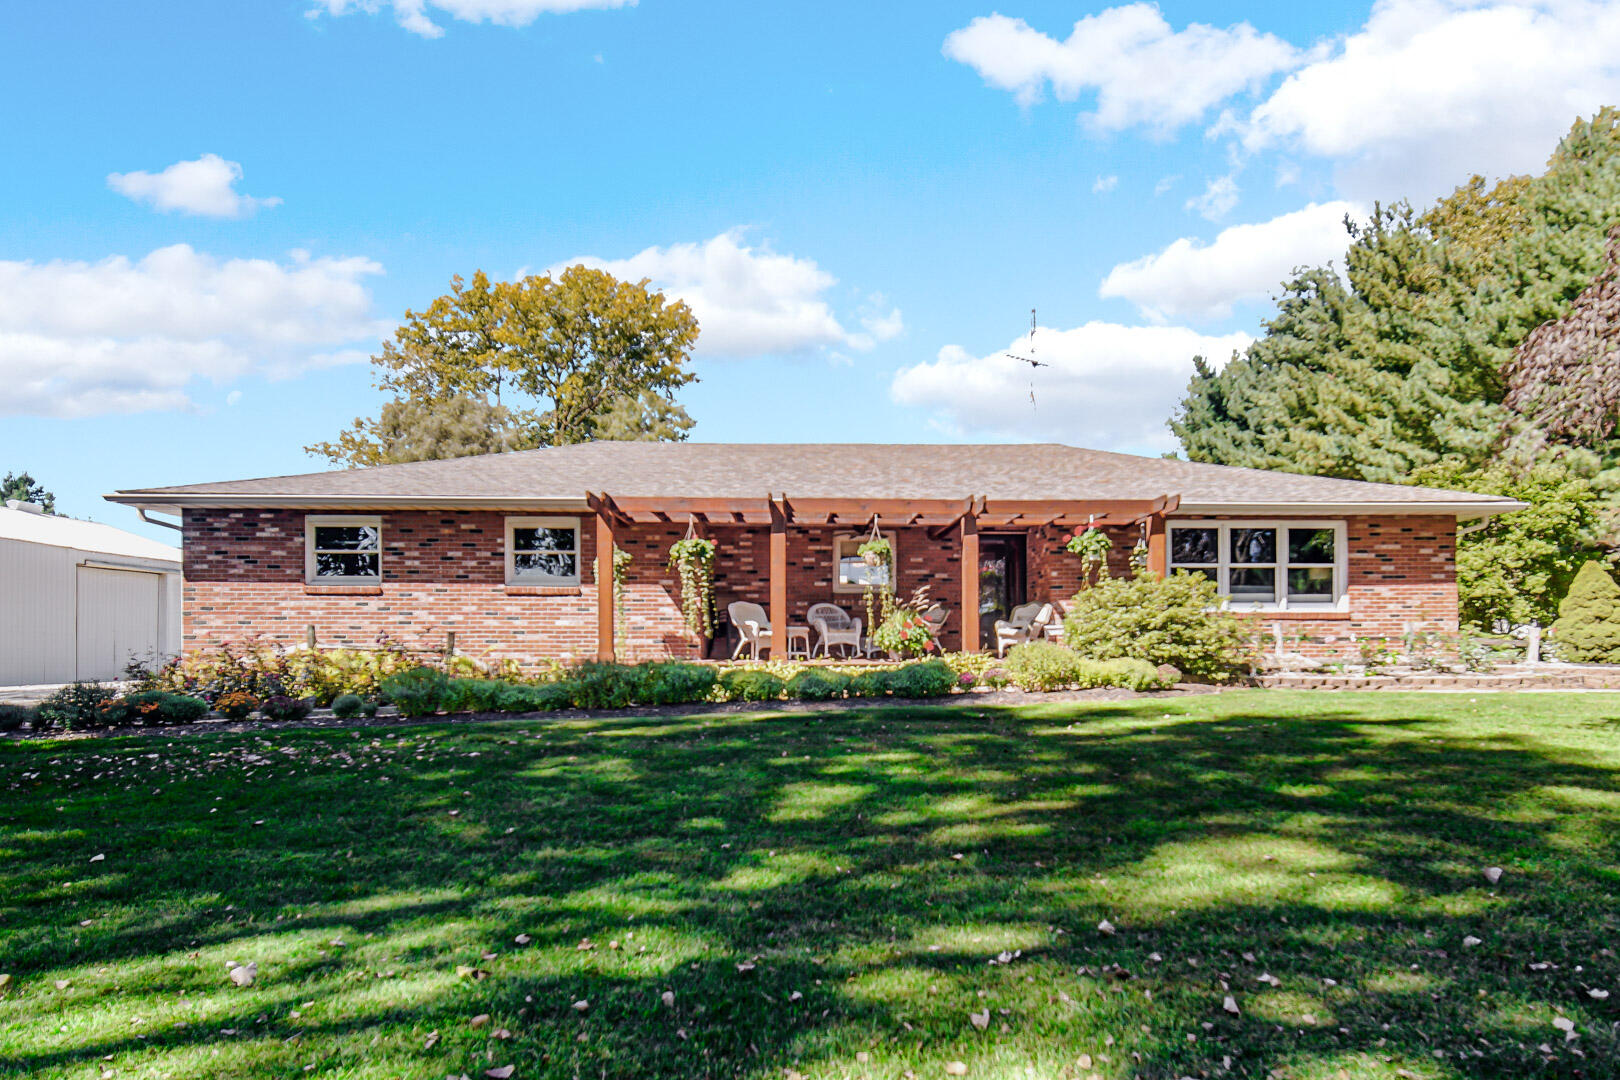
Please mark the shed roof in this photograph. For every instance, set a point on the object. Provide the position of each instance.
(562, 476)
(88, 536)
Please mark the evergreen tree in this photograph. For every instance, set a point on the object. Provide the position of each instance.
(1588, 626)
(25, 488)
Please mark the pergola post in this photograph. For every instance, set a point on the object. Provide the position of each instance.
(970, 583)
(1158, 552)
(604, 587)
(779, 603)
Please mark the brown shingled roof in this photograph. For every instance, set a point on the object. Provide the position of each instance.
(1037, 471)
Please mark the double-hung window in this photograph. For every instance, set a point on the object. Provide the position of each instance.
(1277, 565)
(342, 550)
(542, 551)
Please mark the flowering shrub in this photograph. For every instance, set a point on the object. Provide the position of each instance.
(235, 704)
(904, 633)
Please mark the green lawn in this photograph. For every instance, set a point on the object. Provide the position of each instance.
(830, 894)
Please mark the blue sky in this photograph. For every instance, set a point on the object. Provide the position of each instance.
(210, 214)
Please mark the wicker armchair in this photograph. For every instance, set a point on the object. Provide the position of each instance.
(834, 626)
(753, 627)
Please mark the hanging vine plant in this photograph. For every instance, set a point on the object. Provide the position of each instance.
(1093, 546)
(621, 570)
(692, 557)
(877, 551)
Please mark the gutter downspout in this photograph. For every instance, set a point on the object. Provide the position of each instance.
(140, 512)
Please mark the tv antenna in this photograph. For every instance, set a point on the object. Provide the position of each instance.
(1030, 359)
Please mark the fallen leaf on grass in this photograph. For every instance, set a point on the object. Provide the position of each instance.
(1230, 1004)
(523, 939)
(63, 984)
(243, 974)
(478, 1021)
(795, 996)
(98, 858)
(581, 1005)
(1106, 927)
(956, 1068)
(981, 1020)
(1470, 941)
(862, 1057)
(501, 1033)
(1493, 874)
(500, 1072)
(744, 968)
(668, 998)
(1083, 1061)
(431, 1040)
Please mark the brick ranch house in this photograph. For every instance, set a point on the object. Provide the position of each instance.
(512, 552)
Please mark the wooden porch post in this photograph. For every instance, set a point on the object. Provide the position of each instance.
(1158, 559)
(779, 603)
(970, 583)
(604, 587)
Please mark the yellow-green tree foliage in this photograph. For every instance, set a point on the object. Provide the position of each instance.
(541, 361)
(1588, 626)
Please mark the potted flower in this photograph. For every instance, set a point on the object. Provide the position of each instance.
(905, 634)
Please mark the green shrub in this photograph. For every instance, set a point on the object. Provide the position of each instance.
(473, 695)
(418, 692)
(162, 708)
(13, 717)
(73, 706)
(347, 706)
(605, 686)
(284, 708)
(369, 709)
(1588, 626)
(1042, 665)
(1125, 672)
(871, 684)
(818, 684)
(675, 683)
(1164, 620)
(751, 684)
(930, 678)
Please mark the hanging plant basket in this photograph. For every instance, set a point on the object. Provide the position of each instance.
(692, 557)
(1093, 546)
(876, 552)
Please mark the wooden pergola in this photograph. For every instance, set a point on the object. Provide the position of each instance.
(941, 517)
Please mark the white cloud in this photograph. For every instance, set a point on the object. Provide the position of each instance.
(413, 14)
(1165, 184)
(1141, 71)
(80, 338)
(206, 187)
(1219, 197)
(1104, 184)
(1190, 279)
(1106, 386)
(749, 300)
(1429, 91)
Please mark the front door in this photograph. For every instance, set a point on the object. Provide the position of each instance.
(1001, 580)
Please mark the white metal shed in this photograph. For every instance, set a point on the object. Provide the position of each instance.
(78, 599)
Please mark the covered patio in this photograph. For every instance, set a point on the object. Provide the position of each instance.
(976, 554)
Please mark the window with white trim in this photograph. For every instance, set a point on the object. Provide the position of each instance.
(852, 573)
(342, 550)
(542, 551)
(1278, 565)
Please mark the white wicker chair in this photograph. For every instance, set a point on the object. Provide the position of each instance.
(753, 627)
(834, 626)
(1026, 622)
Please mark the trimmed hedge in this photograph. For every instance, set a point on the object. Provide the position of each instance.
(1045, 665)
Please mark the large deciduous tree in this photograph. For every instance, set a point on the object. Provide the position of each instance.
(543, 361)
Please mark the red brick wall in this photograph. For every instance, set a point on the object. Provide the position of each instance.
(444, 571)
(1400, 571)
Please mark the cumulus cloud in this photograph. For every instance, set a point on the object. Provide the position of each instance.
(205, 187)
(750, 300)
(1429, 91)
(413, 14)
(1141, 71)
(1192, 279)
(1104, 184)
(1106, 385)
(122, 335)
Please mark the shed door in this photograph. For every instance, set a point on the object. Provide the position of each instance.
(118, 619)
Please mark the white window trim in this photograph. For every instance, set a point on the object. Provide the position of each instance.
(512, 576)
(313, 520)
(1341, 598)
(842, 588)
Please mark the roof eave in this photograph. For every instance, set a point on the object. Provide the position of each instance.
(171, 501)
(1462, 510)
